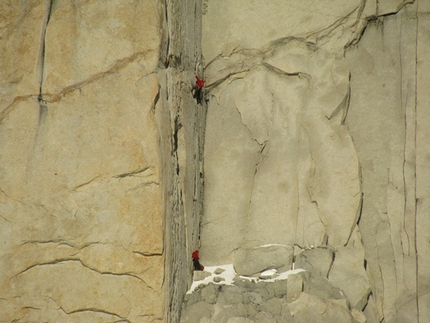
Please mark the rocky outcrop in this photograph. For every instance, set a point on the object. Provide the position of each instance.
(314, 140)
(181, 127)
(251, 261)
(315, 160)
(268, 300)
(81, 199)
(385, 119)
(99, 159)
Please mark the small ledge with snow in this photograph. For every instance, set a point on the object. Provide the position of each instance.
(225, 275)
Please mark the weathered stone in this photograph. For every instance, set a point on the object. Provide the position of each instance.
(264, 317)
(294, 287)
(232, 295)
(239, 320)
(196, 312)
(222, 313)
(299, 164)
(317, 137)
(311, 308)
(218, 279)
(320, 286)
(86, 165)
(22, 27)
(266, 23)
(209, 293)
(371, 311)
(266, 291)
(80, 162)
(386, 134)
(286, 314)
(251, 309)
(250, 261)
(200, 275)
(272, 306)
(309, 194)
(194, 297)
(349, 275)
(245, 283)
(255, 298)
(422, 152)
(358, 316)
(317, 260)
(279, 288)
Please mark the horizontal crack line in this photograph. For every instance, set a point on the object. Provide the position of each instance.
(133, 172)
(77, 259)
(55, 97)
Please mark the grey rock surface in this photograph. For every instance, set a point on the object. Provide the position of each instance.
(250, 261)
(316, 260)
(309, 148)
(317, 137)
(288, 300)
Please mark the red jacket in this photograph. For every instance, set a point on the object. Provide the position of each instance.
(199, 83)
(195, 255)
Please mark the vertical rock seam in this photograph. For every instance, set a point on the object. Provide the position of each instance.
(41, 61)
(181, 126)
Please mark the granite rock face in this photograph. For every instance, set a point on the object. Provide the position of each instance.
(316, 156)
(81, 201)
(258, 301)
(388, 121)
(251, 261)
(88, 162)
(317, 139)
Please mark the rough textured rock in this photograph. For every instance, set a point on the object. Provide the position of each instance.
(294, 287)
(250, 261)
(311, 308)
(284, 146)
(349, 275)
(92, 133)
(291, 300)
(385, 119)
(316, 260)
(181, 125)
(81, 201)
(316, 138)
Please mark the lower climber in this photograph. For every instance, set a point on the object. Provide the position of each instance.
(196, 258)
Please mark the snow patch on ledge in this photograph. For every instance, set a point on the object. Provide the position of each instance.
(227, 276)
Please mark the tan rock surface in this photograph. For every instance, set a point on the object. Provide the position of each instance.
(316, 137)
(385, 69)
(311, 308)
(282, 104)
(81, 199)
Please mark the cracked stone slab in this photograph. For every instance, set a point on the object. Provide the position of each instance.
(82, 200)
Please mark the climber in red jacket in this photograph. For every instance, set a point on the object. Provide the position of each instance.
(198, 89)
(196, 258)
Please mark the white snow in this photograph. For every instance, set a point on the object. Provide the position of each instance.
(281, 276)
(268, 273)
(229, 273)
(271, 245)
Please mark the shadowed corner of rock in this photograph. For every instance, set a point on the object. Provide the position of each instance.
(195, 256)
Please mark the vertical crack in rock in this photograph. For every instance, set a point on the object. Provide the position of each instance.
(165, 44)
(331, 263)
(415, 164)
(180, 120)
(41, 62)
